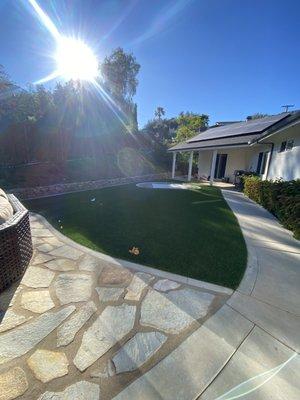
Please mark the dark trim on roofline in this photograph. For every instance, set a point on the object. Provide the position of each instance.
(225, 137)
(210, 147)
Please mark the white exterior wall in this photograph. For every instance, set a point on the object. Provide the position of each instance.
(205, 162)
(286, 165)
(236, 159)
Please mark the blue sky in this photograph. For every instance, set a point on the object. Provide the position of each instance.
(226, 58)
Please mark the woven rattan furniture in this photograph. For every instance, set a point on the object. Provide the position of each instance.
(15, 245)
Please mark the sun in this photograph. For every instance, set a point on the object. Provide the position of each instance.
(75, 60)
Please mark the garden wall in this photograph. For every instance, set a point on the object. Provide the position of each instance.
(61, 188)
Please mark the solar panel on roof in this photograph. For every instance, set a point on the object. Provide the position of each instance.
(240, 128)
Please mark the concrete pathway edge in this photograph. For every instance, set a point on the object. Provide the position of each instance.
(135, 266)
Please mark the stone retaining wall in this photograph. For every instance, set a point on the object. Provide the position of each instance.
(61, 188)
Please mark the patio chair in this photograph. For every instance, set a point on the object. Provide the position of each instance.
(15, 244)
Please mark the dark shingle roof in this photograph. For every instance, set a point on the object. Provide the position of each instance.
(240, 128)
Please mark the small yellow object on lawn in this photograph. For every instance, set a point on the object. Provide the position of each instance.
(135, 251)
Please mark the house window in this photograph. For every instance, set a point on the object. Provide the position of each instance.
(259, 161)
(262, 162)
(283, 146)
(286, 145)
(290, 144)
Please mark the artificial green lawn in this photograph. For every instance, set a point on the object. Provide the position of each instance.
(188, 232)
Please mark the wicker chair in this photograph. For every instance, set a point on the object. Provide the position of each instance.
(15, 245)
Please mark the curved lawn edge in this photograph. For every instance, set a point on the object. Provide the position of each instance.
(191, 233)
(131, 265)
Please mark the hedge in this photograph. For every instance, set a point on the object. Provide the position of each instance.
(281, 198)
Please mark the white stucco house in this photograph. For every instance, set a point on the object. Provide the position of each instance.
(269, 146)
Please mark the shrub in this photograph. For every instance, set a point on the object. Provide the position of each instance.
(281, 198)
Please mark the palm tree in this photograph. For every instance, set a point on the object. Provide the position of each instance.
(159, 112)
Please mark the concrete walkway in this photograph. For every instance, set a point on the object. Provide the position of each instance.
(248, 348)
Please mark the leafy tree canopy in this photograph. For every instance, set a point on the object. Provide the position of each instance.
(159, 112)
(257, 116)
(119, 72)
(189, 125)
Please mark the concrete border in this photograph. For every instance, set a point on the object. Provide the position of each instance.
(135, 266)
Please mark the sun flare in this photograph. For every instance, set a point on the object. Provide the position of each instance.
(75, 60)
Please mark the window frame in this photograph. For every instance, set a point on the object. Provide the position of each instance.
(286, 145)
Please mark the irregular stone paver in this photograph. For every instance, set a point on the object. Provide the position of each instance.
(37, 277)
(67, 331)
(13, 384)
(137, 285)
(9, 296)
(109, 294)
(78, 391)
(106, 372)
(91, 264)
(41, 232)
(67, 252)
(46, 247)
(36, 241)
(61, 264)
(36, 224)
(53, 241)
(138, 350)
(113, 275)
(37, 301)
(163, 285)
(19, 341)
(47, 365)
(174, 311)
(73, 287)
(11, 320)
(41, 258)
(109, 328)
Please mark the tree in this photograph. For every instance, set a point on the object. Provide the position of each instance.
(257, 116)
(159, 112)
(189, 125)
(119, 73)
(5, 81)
(161, 131)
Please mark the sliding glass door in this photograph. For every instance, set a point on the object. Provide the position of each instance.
(220, 166)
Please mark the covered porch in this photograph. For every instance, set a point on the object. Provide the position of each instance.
(217, 165)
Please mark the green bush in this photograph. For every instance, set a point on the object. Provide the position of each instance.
(281, 198)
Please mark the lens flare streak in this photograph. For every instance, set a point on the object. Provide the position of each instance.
(45, 19)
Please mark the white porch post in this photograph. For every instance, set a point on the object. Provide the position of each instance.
(174, 164)
(213, 166)
(190, 166)
(199, 160)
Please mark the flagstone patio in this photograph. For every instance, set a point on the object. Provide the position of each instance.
(80, 325)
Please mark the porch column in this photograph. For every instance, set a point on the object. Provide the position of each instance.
(174, 164)
(213, 166)
(199, 160)
(190, 166)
